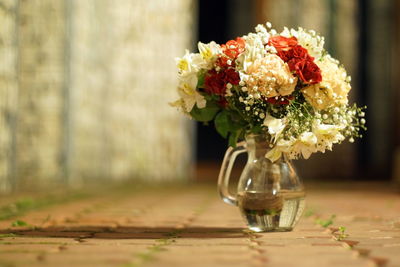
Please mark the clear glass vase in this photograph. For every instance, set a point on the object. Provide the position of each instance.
(270, 195)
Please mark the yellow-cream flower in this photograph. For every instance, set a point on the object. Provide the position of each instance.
(270, 77)
(275, 126)
(332, 90)
(189, 95)
(190, 64)
(209, 51)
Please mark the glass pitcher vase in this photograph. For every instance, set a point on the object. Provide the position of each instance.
(270, 195)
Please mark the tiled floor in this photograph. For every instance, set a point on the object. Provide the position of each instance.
(190, 226)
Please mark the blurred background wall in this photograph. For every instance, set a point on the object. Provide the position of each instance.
(85, 86)
(84, 91)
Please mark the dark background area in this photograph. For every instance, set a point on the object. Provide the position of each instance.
(375, 83)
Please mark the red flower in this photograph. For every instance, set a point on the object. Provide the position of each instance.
(230, 51)
(281, 100)
(297, 58)
(297, 52)
(214, 83)
(232, 77)
(307, 70)
(222, 61)
(282, 43)
(233, 48)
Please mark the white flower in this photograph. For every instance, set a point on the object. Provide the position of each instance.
(327, 134)
(209, 52)
(189, 95)
(190, 64)
(306, 145)
(275, 126)
(254, 49)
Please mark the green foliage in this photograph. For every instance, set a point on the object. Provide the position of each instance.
(223, 123)
(228, 126)
(326, 223)
(200, 81)
(234, 137)
(309, 213)
(19, 223)
(341, 233)
(24, 205)
(205, 114)
(7, 235)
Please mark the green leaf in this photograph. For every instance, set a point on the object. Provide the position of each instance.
(222, 123)
(326, 223)
(200, 81)
(19, 223)
(233, 137)
(205, 114)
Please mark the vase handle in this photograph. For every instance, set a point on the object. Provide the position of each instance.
(225, 172)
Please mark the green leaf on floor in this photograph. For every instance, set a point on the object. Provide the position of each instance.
(19, 223)
(309, 213)
(341, 233)
(7, 235)
(325, 223)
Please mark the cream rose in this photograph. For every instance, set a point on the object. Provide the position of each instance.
(270, 76)
(332, 90)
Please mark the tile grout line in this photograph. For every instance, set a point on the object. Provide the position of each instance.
(170, 237)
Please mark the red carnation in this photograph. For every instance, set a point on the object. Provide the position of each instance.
(214, 83)
(307, 71)
(233, 48)
(297, 52)
(232, 77)
(230, 51)
(297, 58)
(222, 61)
(281, 100)
(282, 43)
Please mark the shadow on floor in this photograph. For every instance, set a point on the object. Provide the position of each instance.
(127, 232)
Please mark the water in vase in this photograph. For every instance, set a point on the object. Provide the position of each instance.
(267, 212)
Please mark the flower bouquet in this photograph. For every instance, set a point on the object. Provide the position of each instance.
(282, 93)
(285, 85)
